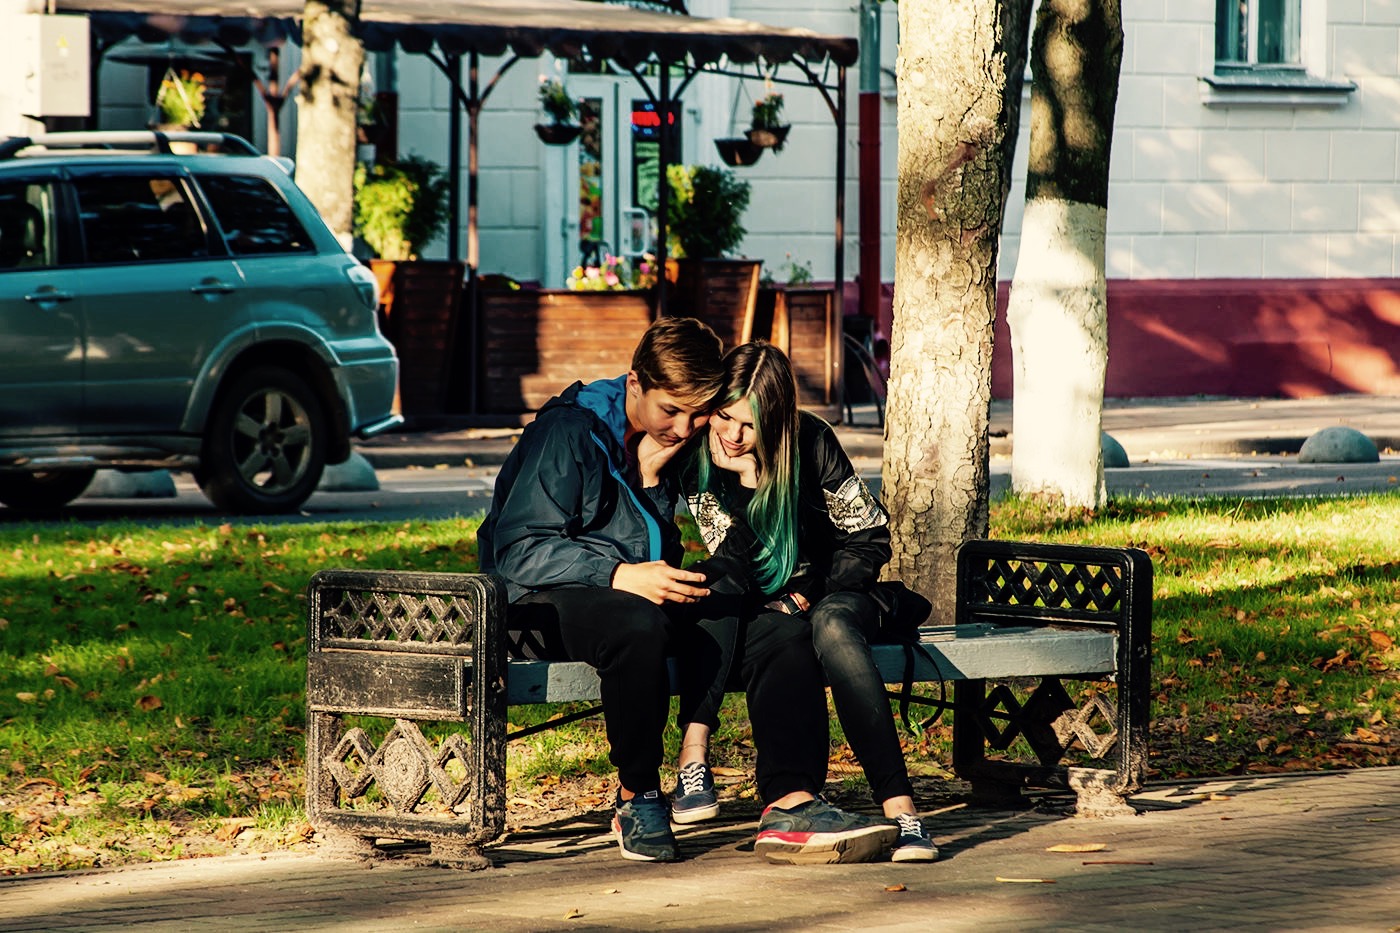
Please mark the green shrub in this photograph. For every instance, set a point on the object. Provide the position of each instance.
(705, 210)
(400, 207)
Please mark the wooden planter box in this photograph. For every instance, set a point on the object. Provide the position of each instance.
(420, 302)
(534, 343)
(720, 292)
(802, 322)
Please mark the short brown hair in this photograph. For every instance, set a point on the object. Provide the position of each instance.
(680, 356)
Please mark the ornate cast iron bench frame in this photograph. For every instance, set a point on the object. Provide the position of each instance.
(427, 647)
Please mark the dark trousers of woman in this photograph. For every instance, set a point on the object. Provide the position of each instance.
(626, 639)
(841, 628)
(769, 655)
(843, 625)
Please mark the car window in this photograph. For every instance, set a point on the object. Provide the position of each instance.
(138, 218)
(255, 217)
(26, 225)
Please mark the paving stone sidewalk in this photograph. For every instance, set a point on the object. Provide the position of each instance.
(1268, 852)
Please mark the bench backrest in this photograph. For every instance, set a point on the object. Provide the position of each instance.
(1018, 583)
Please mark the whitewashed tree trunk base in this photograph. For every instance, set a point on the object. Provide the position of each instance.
(1058, 316)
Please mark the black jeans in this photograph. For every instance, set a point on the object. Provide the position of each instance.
(769, 655)
(842, 626)
(626, 639)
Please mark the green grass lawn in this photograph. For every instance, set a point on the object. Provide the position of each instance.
(151, 679)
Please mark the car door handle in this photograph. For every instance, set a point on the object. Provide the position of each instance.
(212, 288)
(49, 295)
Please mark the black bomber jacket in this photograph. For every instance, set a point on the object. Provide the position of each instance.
(843, 531)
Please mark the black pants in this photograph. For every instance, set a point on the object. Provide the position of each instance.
(843, 625)
(770, 655)
(626, 639)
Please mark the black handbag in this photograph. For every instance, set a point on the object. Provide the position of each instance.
(902, 612)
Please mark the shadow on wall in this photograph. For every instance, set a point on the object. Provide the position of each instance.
(1288, 338)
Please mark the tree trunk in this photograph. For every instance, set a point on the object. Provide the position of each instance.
(1058, 312)
(960, 74)
(332, 58)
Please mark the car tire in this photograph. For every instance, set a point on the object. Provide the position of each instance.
(265, 445)
(45, 491)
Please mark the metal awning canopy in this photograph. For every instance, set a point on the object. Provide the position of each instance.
(527, 28)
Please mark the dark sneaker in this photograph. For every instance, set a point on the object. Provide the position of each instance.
(694, 798)
(816, 833)
(913, 844)
(642, 827)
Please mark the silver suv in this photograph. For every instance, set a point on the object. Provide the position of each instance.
(174, 301)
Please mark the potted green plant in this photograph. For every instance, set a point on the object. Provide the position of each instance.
(705, 211)
(705, 223)
(562, 111)
(181, 99)
(766, 130)
(401, 207)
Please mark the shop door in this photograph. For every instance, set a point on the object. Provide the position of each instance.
(602, 188)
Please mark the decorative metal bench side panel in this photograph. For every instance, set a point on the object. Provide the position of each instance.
(1018, 584)
(411, 647)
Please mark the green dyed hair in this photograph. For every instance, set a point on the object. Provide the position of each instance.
(761, 373)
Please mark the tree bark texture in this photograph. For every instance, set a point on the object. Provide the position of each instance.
(332, 58)
(1058, 313)
(960, 69)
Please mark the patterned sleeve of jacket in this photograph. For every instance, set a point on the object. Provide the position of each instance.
(860, 527)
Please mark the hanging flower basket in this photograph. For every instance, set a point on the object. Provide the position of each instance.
(738, 151)
(557, 134)
(769, 137)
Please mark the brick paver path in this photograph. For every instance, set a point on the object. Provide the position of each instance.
(1274, 852)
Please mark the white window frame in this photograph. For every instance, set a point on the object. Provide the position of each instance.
(1294, 8)
(1303, 82)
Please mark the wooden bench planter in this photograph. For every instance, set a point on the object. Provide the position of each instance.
(427, 647)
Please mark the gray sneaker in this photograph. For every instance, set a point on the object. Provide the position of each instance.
(816, 833)
(642, 827)
(694, 798)
(913, 844)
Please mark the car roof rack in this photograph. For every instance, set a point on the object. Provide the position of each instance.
(126, 142)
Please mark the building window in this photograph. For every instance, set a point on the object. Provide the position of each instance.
(1258, 34)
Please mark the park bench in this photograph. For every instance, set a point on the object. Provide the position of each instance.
(407, 648)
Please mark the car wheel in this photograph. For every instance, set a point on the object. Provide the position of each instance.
(265, 447)
(40, 492)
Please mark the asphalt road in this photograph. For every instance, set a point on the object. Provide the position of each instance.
(427, 493)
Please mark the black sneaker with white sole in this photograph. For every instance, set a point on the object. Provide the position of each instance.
(816, 833)
(642, 827)
(694, 798)
(913, 843)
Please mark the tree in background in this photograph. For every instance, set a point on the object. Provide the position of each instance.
(960, 73)
(328, 105)
(1058, 312)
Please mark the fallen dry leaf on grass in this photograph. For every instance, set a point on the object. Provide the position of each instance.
(1077, 847)
(230, 828)
(722, 771)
